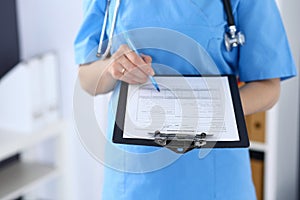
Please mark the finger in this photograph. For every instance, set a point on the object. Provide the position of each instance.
(122, 50)
(117, 70)
(146, 58)
(147, 69)
(135, 71)
(123, 69)
(120, 73)
(135, 59)
(123, 60)
(130, 77)
(130, 72)
(143, 66)
(121, 65)
(136, 75)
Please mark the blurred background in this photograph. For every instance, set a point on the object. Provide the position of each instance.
(41, 156)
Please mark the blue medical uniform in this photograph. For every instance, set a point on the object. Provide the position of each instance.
(222, 173)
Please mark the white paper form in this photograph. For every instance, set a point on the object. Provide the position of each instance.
(185, 105)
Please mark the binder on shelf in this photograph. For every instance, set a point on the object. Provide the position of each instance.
(27, 94)
(50, 86)
(256, 124)
(257, 167)
(34, 70)
(189, 112)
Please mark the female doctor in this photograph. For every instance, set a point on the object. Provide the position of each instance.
(262, 62)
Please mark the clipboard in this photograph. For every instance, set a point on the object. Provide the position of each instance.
(182, 140)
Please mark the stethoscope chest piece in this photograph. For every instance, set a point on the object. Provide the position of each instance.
(232, 38)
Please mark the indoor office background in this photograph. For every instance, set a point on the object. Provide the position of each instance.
(41, 157)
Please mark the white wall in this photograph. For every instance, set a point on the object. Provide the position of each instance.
(52, 25)
(287, 187)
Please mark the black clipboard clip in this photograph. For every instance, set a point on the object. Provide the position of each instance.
(180, 143)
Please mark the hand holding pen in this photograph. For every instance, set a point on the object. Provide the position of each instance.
(130, 67)
(153, 81)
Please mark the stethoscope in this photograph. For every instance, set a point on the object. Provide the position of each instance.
(232, 37)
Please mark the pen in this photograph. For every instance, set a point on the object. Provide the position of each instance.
(153, 81)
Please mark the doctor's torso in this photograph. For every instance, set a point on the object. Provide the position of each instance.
(202, 21)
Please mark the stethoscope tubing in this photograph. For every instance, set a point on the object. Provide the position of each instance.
(232, 37)
(110, 38)
(228, 10)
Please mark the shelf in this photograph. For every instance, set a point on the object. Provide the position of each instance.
(258, 146)
(18, 179)
(14, 142)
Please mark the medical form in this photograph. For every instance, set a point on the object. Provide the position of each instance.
(185, 105)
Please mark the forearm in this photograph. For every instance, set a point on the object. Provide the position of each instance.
(259, 96)
(95, 77)
(125, 65)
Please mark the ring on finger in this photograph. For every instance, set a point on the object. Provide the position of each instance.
(123, 71)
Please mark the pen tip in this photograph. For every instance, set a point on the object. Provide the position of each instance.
(158, 89)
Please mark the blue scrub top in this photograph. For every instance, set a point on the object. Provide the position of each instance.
(222, 173)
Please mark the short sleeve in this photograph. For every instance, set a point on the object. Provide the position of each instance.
(266, 53)
(87, 39)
